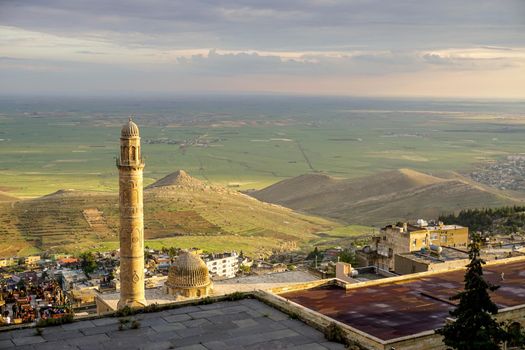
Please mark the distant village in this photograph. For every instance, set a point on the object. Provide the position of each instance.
(508, 174)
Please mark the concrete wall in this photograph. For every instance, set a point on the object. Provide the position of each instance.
(455, 237)
(343, 271)
(406, 265)
(102, 307)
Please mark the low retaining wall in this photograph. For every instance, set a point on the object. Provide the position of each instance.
(319, 321)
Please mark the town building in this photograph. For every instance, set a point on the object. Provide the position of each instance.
(442, 259)
(224, 265)
(69, 278)
(32, 260)
(6, 262)
(405, 237)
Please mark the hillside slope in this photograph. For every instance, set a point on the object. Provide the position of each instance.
(381, 198)
(175, 206)
(6, 197)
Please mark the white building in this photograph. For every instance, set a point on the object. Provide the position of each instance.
(223, 265)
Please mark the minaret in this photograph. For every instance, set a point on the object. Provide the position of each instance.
(131, 232)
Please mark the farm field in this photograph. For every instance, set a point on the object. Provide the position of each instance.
(247, 142)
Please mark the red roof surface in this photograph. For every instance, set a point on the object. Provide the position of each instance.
(398, 309)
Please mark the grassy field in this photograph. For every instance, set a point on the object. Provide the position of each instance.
(46, 146)
(252, 246)
(183, 211)
(342, 236)
(237, 142)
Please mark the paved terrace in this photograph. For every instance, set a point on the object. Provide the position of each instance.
(407, 307)
(243, 324)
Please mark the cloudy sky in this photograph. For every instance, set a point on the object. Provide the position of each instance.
(467, 48)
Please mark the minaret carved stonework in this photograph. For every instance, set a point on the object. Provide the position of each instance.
(131, 234)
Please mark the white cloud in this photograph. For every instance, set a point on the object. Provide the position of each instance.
(235, 43)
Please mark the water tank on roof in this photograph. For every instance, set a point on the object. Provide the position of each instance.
(422, 223)
(436, 249)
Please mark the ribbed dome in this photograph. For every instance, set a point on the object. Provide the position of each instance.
(188, 271)
(129, 129)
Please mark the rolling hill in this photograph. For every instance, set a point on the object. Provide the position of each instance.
(6, 197)
(178, 209)
(382, 198)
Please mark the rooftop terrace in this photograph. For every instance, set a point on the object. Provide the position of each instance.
(447, 254)
(408, 306)
(243, 324)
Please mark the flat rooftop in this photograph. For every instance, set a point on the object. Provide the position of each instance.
(222, 287)
(242, 324)
(415, 227)
(447, 254)
(396, 309)
(442, 227)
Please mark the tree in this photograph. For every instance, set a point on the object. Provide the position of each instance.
(348, 256)
(245, 269)
(314, 253)
(172, 252)
(474, 328)
(21, 285)
(88, 263)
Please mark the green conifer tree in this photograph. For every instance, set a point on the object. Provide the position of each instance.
(474, 327)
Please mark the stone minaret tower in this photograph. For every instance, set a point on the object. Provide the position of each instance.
(131, 234)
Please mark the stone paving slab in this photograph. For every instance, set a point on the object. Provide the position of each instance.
(242, 324)
(28, 340)
(4, 344)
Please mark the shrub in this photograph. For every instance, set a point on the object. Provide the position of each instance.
(68, 318)
(235, 296)
(125, 311)
(334, 333)
(127, 323)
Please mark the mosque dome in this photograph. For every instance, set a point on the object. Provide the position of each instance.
(189, 271)
(129, 129)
